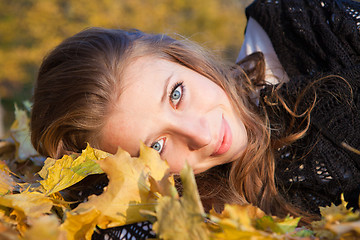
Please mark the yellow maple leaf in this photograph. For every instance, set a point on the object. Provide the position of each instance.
(6, 182)
(44, 227)
(277, 225)
(20, 133)
(65, 172)
(237, 222)
(181, 218)
(165, 187)
(127, 193)
(81, 224)
(338, 222)
(7, 231)
(26, 205)
(32, 204)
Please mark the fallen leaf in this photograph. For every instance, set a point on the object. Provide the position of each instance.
(26, 205)
(7, 231)
(181, 218)
(128, 191)
(80, 224)
(20, 133)
(65, 172)
(44, 227)
(6, 182)
(238, 222)
(338, 222)
(31, 204)
(279, 226)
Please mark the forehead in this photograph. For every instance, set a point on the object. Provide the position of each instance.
(135, 111)
(143, 72)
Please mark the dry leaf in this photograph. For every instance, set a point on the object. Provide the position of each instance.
(31, 204)
(276, 225)
(6, 182)
(181, 218)
(20, 133)
(24, 206)
(128, 190)
(44, 227)
(7, 231)
(338, 222)
(65, 172)
(81, 224)
(237, 222)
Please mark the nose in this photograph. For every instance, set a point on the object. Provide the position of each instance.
(194, 131)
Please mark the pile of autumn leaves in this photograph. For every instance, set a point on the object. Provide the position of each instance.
(139, 189)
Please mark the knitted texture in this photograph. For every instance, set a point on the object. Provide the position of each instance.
(317, 42)
(311, 36)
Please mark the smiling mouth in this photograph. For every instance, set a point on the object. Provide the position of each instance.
(225, 139)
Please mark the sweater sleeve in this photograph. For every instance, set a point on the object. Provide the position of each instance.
(311, 36)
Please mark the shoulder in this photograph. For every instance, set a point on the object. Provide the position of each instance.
(310, 36)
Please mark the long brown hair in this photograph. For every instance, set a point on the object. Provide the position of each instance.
(79, 80)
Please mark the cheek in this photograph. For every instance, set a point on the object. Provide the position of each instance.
(244, 140)
(176, 165)
(219, 95)
(210, 96)
(176, 157)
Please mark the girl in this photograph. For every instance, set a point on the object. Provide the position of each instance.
(287, 148)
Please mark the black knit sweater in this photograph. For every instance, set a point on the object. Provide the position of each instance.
(317, 40)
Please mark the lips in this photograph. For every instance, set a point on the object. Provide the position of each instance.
(225, 139)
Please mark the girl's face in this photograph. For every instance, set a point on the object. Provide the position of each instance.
(178, 112)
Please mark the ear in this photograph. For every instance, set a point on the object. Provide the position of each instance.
(61, 150)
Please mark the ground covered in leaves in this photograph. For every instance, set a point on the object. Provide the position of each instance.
(32, 205)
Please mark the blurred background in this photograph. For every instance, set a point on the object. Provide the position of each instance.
(31, 28)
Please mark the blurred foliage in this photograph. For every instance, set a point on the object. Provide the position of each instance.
(31, 28)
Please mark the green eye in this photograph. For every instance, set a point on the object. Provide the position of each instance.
(159, 145)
